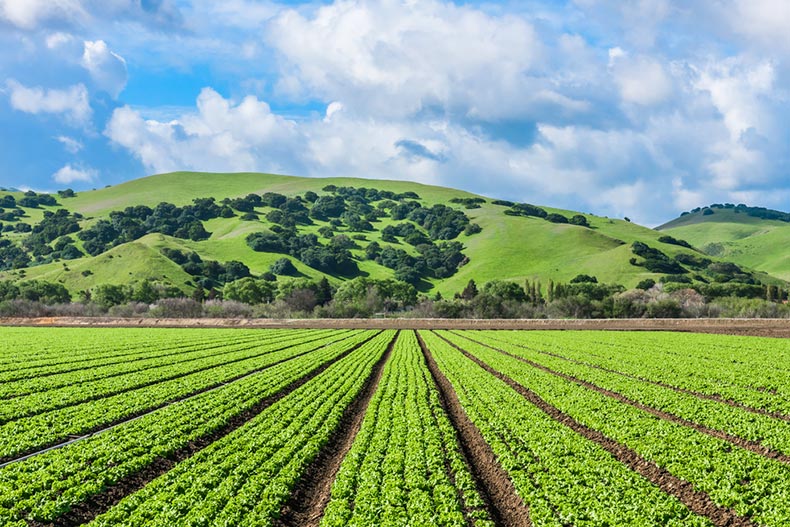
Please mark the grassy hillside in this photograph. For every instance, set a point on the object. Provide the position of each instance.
(508, 247)
(758, 243)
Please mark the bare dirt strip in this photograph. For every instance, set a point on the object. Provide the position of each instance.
(731, 326)
(307, 503)
(494, 485)
(698, 502)
(700, 395)
(98, 504)
(114, 424)
(752, 446)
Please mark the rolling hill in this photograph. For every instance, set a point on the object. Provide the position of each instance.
(733, 234)
(511, 247)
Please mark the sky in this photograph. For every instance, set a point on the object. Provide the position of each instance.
(638, 108)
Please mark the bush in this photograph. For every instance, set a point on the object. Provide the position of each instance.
(668, 308)
(283, 266)
(227, 309)
(177, 308)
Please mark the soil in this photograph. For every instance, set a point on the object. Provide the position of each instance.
(753, 446)
(696, 501)
(307, 503)
(505, 506)
(756, 327)
(98, 504)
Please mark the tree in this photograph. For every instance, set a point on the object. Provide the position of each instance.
(580, 220)
(145, 293)
(250, 291)
(283, 266)
(505, 290)
(584, 279)
(470, 291)
(324, 293)
(108, 295)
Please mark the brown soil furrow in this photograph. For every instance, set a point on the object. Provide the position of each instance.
(142, 385)
(700, 395)
(494, 485)
(114, 424)
(696, 501)
(763, 327)
(139, 354)
(307, 503)
(98, 504)
(752, 446)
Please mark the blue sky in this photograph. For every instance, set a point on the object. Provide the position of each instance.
(639, 108)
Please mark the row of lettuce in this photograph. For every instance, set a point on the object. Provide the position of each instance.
(531, 395)
(750, 483)
(41, 421)
(46, 486)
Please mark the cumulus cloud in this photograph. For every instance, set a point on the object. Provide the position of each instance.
(641, 80)
(106, 68)
(28, 14)
(218, 136)
(395, 58)
(72, 103)
(70, 144)
(69, 174)
(763, 21)
(58, 39)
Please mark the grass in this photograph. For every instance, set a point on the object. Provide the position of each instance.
(511, 248)
(130, 263)
(752, 242)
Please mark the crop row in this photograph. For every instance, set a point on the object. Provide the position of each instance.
(752, 485)
(45, 381)
(28, 349)
(745, 379)
(404, 467)
(75, 393)
(245, 478)
(118, 349)
(38, 431)
(563, 477)
(46, 486)
(770, 432)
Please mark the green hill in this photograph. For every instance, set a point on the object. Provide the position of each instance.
(733, 234)
(512, 247)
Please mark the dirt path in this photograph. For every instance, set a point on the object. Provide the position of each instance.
(698, 502)
(101, 503)
(752, 446)
(506, 507)
(757, 327)
(306, 506)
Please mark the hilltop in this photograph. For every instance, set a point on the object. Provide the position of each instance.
(435, 237)
(751, 236)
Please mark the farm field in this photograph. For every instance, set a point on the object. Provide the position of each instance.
(368, 427)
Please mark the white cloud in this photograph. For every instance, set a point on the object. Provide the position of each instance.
(28, 14)
(70, 144)
(763, 21)
(72, 102)
(641, 80)
(55, 40)
(107, 69)
(400, 58)
(219, 136)
(69, 174)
